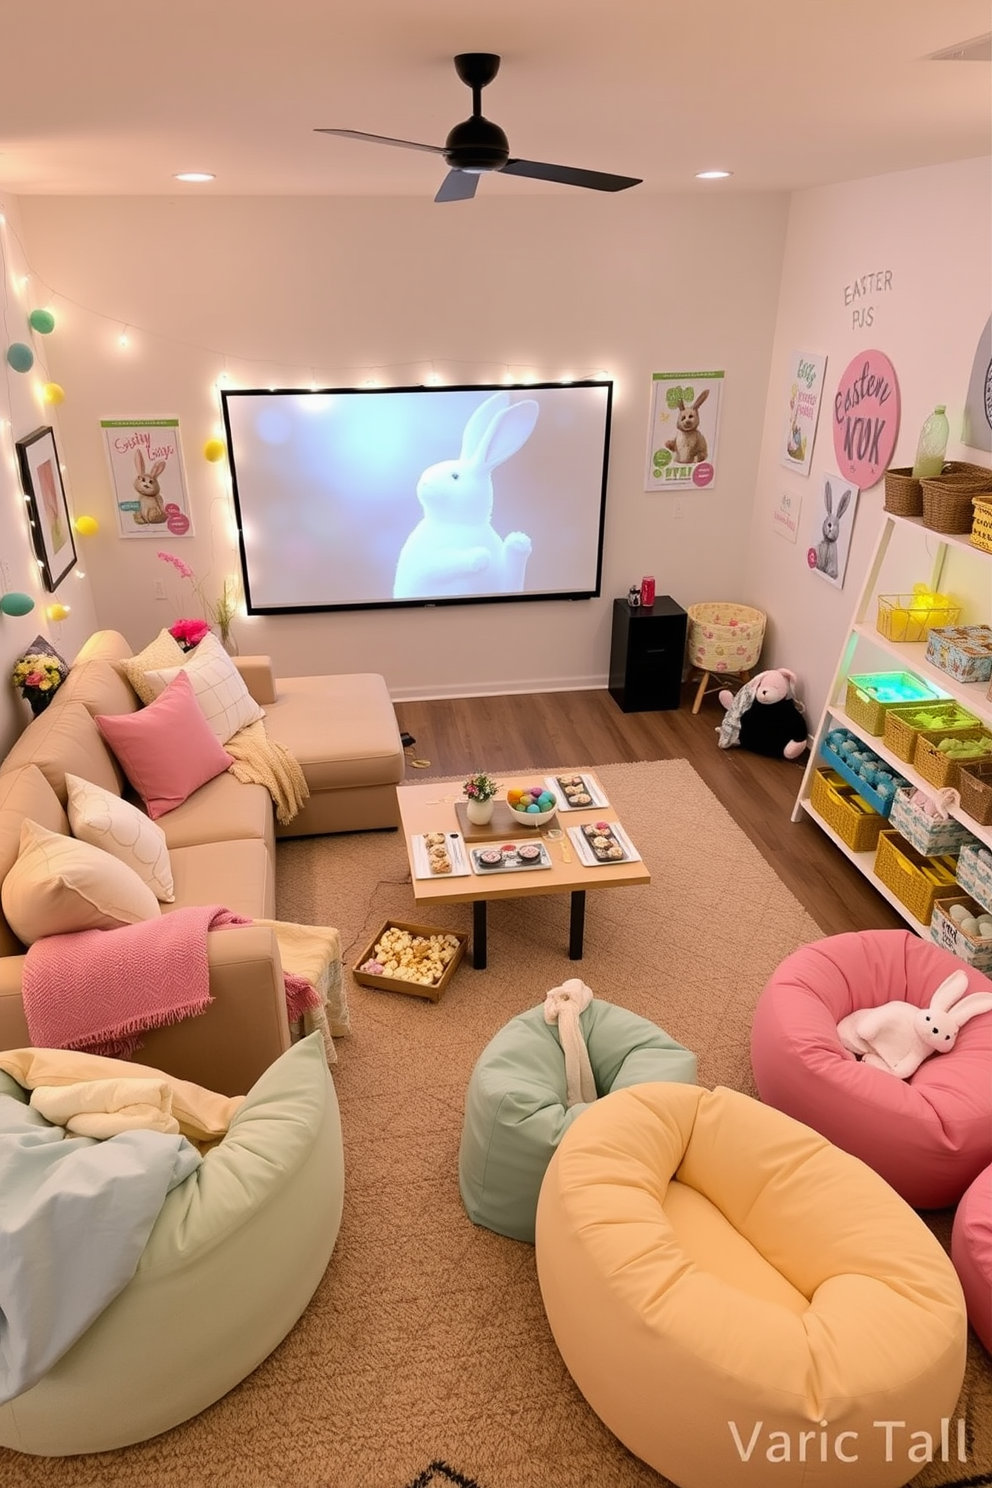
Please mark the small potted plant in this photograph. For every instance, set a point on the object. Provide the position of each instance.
(480, 793)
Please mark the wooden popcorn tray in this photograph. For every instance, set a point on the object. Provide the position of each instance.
(396, 984)
(506, 824)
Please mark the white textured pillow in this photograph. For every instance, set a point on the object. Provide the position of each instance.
(224, 700)
(103, 820)
(58, 885)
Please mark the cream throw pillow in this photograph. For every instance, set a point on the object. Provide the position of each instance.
(163, 651)
(103, 820)
(224, 700)
(58, 885)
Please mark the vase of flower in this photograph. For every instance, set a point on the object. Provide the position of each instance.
(38, 701)
(480, 795)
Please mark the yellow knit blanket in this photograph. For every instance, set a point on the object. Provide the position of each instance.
(314, 953)
(259, 760)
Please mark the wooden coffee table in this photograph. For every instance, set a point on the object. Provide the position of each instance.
(430, 807)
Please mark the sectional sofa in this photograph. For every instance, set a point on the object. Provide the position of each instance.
(221, 840)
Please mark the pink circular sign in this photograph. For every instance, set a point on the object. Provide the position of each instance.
(866, 418)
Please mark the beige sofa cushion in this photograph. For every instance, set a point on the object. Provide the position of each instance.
(103, 645)
(23, 792)
(342, 729)
(66, 739)
(99, 686)
(58, 886)
(223, 810)
(239, 876)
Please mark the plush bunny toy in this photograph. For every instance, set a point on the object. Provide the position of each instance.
(454, 549)
(776, 728)
(898, 1036)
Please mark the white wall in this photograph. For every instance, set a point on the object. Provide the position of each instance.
(933, 229)
(336, 290)
(22, 411)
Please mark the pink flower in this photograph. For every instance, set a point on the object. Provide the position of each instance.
(183, 569)
(189, 632)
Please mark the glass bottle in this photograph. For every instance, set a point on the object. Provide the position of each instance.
(932, 447)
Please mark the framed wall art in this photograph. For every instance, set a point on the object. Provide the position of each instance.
(51, 525)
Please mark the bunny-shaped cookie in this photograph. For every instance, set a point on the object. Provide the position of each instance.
(898, 1036)
(689, 445)
(151, 508)
(454, 549)
(826, 549)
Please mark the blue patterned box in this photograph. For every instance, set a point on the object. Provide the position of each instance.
(975, 873)
(962, 651)
(944, 932)
(929, 835)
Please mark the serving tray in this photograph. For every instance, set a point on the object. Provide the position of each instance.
(613, 831)
(556, 785)
(460, 867)
(511, 865)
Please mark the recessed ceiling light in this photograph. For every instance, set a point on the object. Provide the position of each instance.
(714, 175)
(194, 176)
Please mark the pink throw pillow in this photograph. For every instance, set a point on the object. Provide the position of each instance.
(167, 750)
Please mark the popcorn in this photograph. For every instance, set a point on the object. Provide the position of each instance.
(406, 957)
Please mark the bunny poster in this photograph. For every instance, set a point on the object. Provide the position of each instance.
(146, 467)
(830, 533)
(805, 386)
(685, 415)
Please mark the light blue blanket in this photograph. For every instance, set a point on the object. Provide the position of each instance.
(75, 1214)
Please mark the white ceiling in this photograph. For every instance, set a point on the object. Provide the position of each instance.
(110, 97)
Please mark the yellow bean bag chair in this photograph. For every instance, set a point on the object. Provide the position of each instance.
(739, 1301)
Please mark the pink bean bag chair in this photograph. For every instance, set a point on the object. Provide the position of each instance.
(971, 1252)
(928, 1136)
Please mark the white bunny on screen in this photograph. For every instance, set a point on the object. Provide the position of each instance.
(454, 549)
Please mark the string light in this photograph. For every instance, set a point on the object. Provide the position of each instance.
(122, 340)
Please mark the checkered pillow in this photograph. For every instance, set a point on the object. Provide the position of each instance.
(224, 700)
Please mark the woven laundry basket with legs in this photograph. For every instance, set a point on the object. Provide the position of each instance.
(723, 637)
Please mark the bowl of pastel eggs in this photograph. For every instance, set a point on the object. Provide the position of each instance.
(534, 804)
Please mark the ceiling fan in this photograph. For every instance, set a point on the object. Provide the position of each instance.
(476, 146)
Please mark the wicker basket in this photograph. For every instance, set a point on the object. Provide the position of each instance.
(905, 617)
(901, 733)
(975, 785)
(981, 526)
(940, 769)
(863, 707)
(843, 809)
(915, 880)
(725, 637)
(903, 494)
(947, 498)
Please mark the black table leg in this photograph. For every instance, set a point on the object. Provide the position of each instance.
(479, 934)
(576, 925)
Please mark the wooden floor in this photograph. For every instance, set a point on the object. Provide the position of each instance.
(521, 732)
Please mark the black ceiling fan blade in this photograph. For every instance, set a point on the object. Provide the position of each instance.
(458, 185)
(568, 175)
(382, 139)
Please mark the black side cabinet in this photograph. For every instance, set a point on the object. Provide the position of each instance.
(647, 655)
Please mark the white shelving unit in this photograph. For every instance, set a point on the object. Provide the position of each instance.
(908, 657)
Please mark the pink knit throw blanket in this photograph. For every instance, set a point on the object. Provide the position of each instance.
(99, 990)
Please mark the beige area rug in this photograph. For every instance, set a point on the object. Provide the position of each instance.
(424, 1360)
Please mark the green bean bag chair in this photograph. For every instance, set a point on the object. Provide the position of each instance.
(516, 1111)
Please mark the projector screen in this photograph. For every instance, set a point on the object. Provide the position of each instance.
(363, 499)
